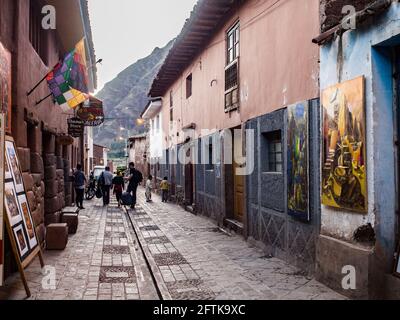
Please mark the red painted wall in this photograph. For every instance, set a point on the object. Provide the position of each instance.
(278, 67)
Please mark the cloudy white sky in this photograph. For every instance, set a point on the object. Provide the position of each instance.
(127, 30)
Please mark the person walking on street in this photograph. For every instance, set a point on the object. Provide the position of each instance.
(164, 186)
(149, 188)
(106, 183)
(135, 178)
(79, 184)
(118, 186)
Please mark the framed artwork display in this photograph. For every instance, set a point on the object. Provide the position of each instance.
(344, 172)
(19, 215)
(2, 172)
(297, 169)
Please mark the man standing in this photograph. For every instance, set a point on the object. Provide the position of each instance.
(106, 183)
(135, 178)
(79, 184)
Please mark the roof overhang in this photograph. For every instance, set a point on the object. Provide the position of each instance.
(152, 109)
(374, 9)
(73, 24)
(207, 17)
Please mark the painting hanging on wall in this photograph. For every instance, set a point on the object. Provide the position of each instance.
(5, 86)
(344, 181)
(298, 184)
(2, 171)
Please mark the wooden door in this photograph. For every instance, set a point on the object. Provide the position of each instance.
(238, 181)
(189, 184)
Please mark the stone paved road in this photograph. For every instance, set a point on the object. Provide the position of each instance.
(189, 256)
(102, 261)
(197, 261)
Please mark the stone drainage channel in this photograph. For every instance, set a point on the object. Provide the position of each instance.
(172, 275)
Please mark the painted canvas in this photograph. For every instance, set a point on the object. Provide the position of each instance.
(298, 182)
(27, 218)
(13, 164)
(11, 204)
(344, 182)
(5, 85)
(20, 237)
(2, 170)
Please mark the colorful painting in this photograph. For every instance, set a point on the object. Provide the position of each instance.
(27, 217)
(5, 85)
(11, 204)
(344, 181)
(2, 171)
(298, 195)
(13, 163)
(21, 240)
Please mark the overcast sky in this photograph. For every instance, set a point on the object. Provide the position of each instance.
(127, 30)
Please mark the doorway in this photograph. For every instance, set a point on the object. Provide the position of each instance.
(396, 86)
(238, 180)
(189, 199)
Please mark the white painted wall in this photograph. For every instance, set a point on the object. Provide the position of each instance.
(156, 136)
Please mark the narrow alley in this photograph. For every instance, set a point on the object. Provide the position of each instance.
(189, 258)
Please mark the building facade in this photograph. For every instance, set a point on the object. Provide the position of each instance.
(153, 117)
(138, 153)
(226, 87)
(100, 157)
(40, 131)
(362, 61)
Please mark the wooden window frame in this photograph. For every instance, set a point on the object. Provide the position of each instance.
(232, 93)
(189, 86)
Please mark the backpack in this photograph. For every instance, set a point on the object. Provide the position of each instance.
(102, 181)
(126, 199)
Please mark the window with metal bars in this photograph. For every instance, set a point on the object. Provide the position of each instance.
(232, 69)
(274, 148)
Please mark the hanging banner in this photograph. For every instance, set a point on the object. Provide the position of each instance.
(5, 86)
(91, 112)
(2, 162)
(75, 127)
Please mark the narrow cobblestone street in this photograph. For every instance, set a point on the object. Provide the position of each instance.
(189, 257)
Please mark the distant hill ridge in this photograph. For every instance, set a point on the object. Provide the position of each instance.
(125, 96)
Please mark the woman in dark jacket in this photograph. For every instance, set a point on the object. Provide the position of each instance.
(118, 186)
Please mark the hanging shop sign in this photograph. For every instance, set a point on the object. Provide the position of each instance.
(5, 86)
(344, 175)
(2, 162)
(76, 127)
(297, 155)
(91, 112)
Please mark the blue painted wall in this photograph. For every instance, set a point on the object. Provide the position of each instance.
(368, 51)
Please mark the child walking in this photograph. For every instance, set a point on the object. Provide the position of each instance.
(164, 186)
(149, 188)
